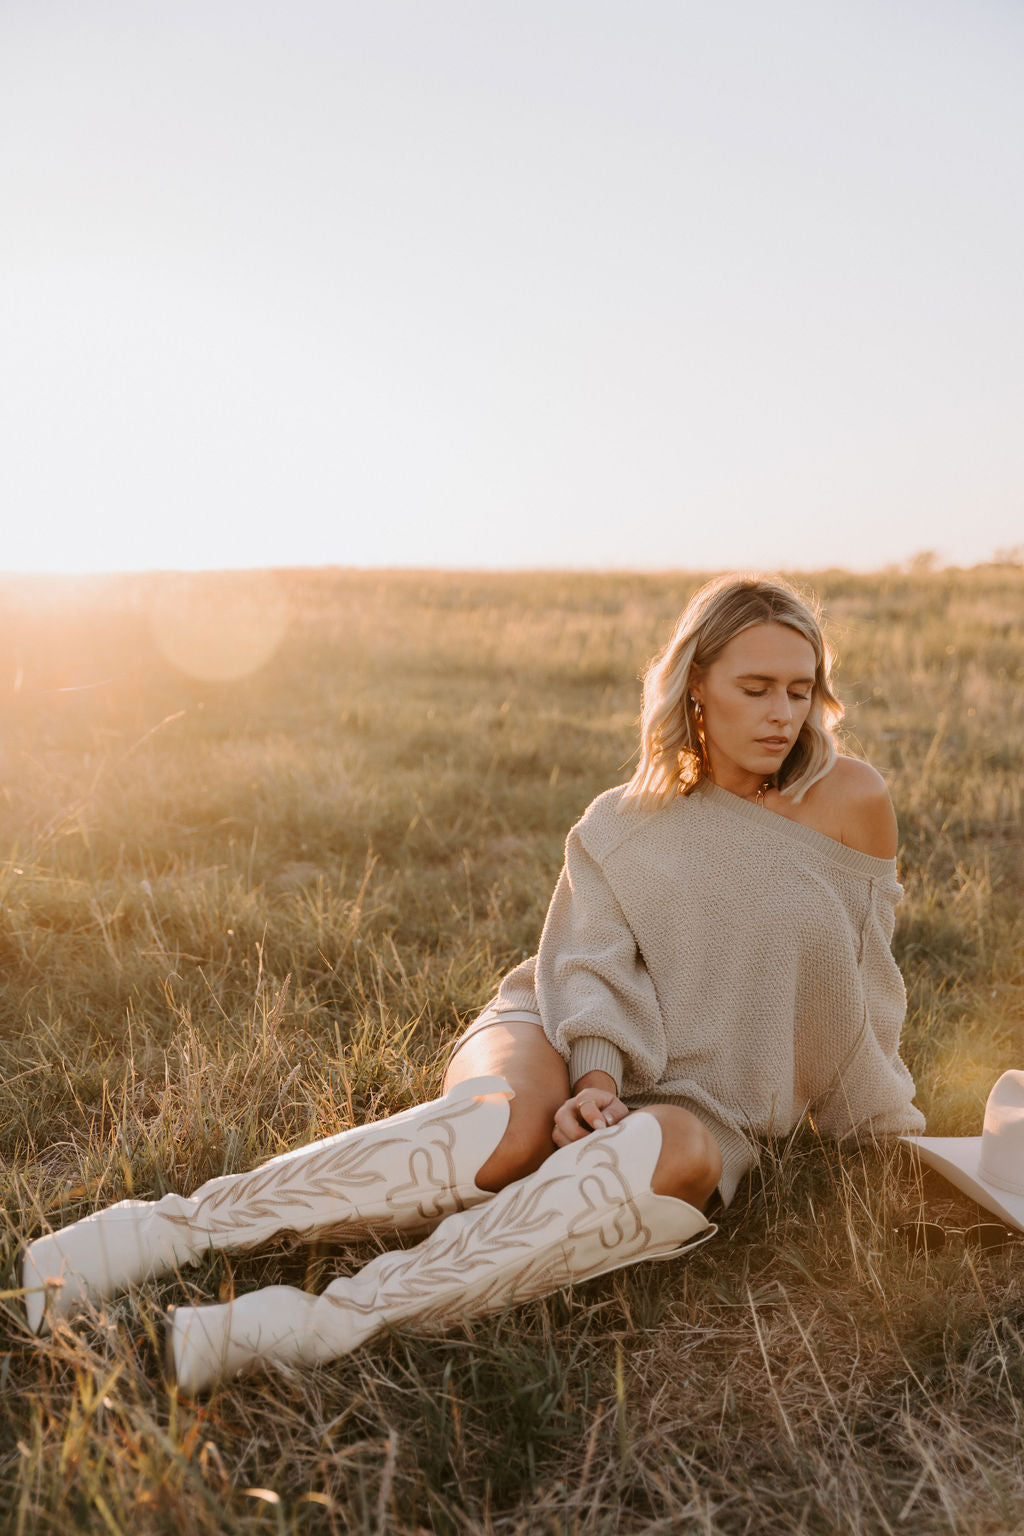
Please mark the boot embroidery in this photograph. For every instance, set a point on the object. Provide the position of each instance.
(471, 1258)
(339, 1174)
(587, 1210)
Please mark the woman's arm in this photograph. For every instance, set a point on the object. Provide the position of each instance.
(596, 996)
(873, 1091)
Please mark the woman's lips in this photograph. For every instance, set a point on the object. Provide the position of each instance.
(773, 743)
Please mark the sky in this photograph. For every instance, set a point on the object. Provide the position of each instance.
(510, 283)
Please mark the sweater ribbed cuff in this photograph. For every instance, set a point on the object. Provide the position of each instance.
(592, 1054)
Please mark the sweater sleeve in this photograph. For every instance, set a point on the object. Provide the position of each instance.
(872, 1092)
(596, 996)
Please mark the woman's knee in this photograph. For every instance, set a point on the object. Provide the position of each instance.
(690, 1162)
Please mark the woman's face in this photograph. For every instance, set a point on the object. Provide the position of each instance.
(755, 695)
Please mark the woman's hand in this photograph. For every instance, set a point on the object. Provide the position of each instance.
(594, 1105)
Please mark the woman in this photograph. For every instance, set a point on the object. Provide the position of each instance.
(714, 964)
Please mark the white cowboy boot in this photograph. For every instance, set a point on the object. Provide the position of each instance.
(588, 1209)
(402, 1174)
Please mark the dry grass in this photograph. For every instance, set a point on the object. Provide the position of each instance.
(238, 915)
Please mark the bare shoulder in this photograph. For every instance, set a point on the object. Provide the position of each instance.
(863, 807)
(850, 804)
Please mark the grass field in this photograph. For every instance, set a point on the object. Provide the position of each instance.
(238, 915)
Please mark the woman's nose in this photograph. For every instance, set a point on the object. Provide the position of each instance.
(781, 708)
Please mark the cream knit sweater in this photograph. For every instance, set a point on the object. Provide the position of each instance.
(713, 954)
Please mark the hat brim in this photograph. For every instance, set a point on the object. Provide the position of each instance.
(956, 1158)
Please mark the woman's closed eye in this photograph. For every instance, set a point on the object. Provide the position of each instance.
(759, 693)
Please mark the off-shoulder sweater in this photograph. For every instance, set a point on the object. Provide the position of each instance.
(714, 954)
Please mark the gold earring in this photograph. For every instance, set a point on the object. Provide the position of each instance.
(701, 755)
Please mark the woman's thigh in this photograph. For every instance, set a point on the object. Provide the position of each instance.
(521, 1053)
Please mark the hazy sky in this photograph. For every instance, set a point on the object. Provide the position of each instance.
(510, 282)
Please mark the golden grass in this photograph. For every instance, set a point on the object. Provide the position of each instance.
(239, 915)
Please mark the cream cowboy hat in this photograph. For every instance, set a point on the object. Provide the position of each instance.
(989, 1167)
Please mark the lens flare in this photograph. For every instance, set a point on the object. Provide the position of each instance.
(219, 626)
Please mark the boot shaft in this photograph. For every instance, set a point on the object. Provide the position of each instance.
(588, 1209)
(403, 1173)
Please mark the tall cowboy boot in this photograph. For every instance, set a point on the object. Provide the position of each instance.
(588, 1209)
(401, 1174)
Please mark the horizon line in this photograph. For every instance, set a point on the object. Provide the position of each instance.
(924, 562)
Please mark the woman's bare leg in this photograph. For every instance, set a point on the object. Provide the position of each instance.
(521, 1053)
(689, 1165)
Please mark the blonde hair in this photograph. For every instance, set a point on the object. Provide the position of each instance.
(672, 755)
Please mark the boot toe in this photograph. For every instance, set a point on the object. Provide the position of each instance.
(179, 1369)
(195, 1354)
(30, 1281)
(54, 1285)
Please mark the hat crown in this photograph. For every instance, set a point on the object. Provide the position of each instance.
(1002, 1139)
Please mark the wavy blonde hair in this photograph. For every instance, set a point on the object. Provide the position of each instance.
(672, 756)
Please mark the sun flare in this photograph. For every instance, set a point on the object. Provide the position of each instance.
(222, 631)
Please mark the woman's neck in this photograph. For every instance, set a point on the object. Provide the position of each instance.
(748, 786)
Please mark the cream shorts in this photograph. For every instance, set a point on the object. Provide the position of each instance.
(486, 1019)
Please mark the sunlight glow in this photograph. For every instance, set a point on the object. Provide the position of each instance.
(218, 637)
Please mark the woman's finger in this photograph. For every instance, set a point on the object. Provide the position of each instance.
(592, 1114)
(592, 1110)
(568, 1131)
(567, 1125)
